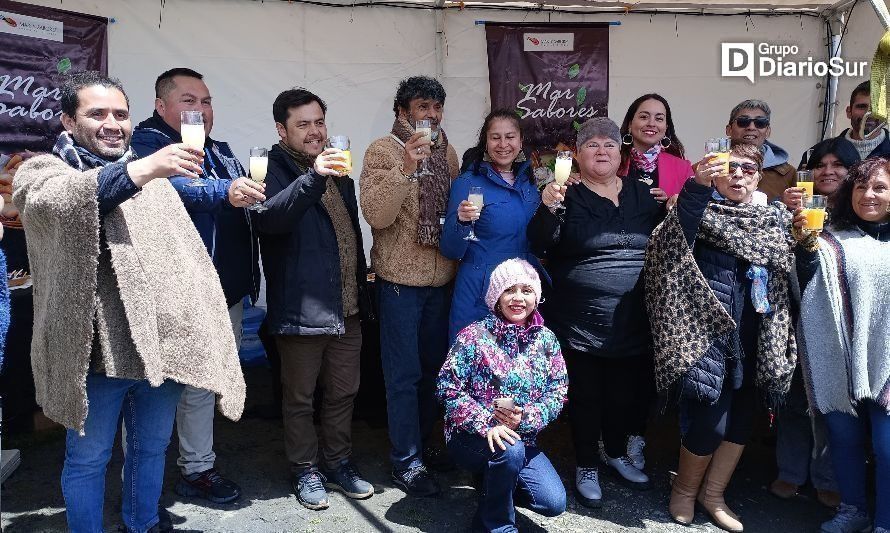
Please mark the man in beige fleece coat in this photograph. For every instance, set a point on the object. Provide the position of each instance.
(127, 305)
(405, 212)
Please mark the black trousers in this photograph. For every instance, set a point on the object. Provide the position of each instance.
(604, 399)
(730, 419)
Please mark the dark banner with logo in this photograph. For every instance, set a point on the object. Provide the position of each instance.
(38, 45)
(555, 76)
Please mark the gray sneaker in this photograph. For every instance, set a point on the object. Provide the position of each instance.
(848, 519)
(348, 480)
(309, 488)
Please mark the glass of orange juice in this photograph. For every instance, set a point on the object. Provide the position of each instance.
(814, 210)
(341, 142)
(720, 147)
(805, 181)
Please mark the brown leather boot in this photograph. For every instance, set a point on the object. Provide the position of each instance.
(719, 473)
(685, 486)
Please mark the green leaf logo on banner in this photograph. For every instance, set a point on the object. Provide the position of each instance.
(64, 65)
(520, 114)
(524, 88)
(582, 95)
(576, 125)
(574, 70)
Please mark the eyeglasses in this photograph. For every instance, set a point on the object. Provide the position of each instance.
(759, 122)
(748, 169)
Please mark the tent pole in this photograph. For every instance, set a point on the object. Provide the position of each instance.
(881, 9)
(439, 13)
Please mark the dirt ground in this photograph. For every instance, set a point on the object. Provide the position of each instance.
(251, 453)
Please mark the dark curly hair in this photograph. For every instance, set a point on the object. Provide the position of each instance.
(842, 214)
(675, 148)
(76, 81)
(417, 87)
(473, 156)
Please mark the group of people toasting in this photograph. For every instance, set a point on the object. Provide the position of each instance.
(661, 277)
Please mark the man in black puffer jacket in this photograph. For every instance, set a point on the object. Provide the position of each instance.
(315, 270)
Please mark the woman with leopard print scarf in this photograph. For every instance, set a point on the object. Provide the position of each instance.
(717, 291)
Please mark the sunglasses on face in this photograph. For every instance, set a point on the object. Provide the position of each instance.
(748, 169)
(759, 122)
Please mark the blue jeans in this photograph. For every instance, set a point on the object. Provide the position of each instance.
(520, 472)
(413, 345)
(847, 434)
(148, 414)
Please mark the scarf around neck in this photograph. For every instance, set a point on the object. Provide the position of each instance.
(686, 316)
(302, 159)
(433, 190)
(80, 158)
(646, 161)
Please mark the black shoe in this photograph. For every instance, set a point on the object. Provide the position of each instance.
(208, 485)
(416, 481)
(348, 480)
(309, 488)
(165, 521)
(438, 459)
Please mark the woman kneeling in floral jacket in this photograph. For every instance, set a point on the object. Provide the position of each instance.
(503, 382)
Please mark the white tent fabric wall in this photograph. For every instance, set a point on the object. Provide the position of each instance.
(249, 51)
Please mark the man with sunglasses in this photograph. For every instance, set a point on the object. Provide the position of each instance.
(749, 123)
(865, 137)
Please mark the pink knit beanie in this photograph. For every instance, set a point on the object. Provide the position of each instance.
(509, 273)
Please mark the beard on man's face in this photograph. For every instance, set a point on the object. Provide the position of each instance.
(106, 143)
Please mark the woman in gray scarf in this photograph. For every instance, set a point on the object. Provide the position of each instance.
(845, 317)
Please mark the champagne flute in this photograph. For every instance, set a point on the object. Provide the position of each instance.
(561, 170)
(259, 164)
(424, 126)
(191, 128)
(341, 142)
(475, 198)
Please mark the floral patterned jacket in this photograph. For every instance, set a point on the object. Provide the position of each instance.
(491, 359)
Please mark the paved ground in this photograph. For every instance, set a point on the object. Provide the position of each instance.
(251, 452)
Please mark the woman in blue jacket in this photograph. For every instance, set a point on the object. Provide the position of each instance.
(510, 198)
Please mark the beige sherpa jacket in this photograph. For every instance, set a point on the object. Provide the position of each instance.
(390, 203)
(152, 293)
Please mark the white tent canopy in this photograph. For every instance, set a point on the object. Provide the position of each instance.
(354, 56)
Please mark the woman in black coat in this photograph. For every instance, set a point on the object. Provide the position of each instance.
(595, 247)
(717, 280)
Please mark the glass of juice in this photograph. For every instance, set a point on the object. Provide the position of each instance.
(562, 169)
(191, 128)
(805, 181)
(475, 198)
(341, 142)
(426, 128)
(814, 209)
(259, 164)
(724, 146)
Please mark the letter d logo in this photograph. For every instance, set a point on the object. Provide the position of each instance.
(737, 60)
